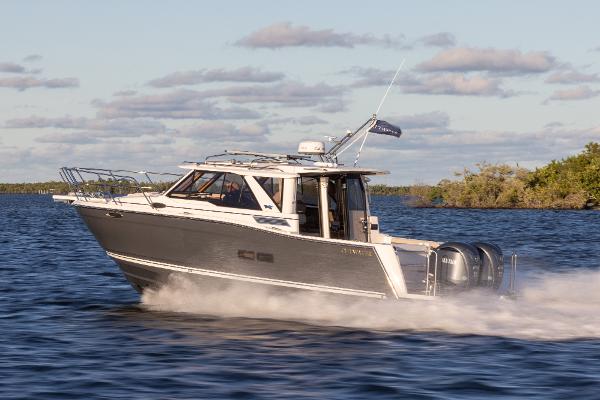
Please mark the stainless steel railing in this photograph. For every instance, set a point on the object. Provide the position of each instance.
(109, 184)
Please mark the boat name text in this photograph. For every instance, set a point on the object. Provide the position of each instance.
(357, 252)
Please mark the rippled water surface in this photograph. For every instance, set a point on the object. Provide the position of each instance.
(72, 327)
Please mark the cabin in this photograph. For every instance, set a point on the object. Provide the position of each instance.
(321, 200)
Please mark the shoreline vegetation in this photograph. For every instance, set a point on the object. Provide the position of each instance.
(571, 183)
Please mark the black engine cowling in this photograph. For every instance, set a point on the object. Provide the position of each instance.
(492, 265)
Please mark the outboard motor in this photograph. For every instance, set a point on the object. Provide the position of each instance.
(492, 265)
(457, 266)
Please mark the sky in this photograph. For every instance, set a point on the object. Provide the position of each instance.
(147, 85)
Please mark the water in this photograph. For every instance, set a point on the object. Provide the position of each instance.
(71, 327)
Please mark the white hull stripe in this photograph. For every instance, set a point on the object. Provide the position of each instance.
(247, 278)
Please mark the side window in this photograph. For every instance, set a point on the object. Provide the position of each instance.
(192, 186)
(219, 188)
(237, 193)
(273, 187)
(212, 184)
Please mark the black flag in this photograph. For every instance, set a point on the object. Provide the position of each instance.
(385, 128)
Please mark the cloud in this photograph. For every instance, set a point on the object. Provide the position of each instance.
(219, 131)
(92, 138)
(454, 84)
(333, 106)
(292, 94)
(244, 74)
(191, 104)
(554, 124)
(372, 76)
(90, 130)
(549, 141)
(27, 82)
(12, 68)
(571, 77)
(447, 84)
(125, 93)
(304, 120)
(432, 120)
(69, 138)
(34, 121)
(43, 161)
(465, 59)
(579, 93)
(122, 125)
(284, 34)
(442, 39)
(180, 104)
(32, 58)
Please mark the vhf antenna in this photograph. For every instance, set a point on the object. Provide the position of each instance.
(379, 108)
(342, 145)
(390, 86)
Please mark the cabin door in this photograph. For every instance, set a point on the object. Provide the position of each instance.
(344, 199)
(356, 206)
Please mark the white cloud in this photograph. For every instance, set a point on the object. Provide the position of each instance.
(12, 68)
(219, 131)
(579, 93)
(303, 120)
(373, 76)
(32, 58)
(22, 83)
(87, 130)
(455, 84)
(103, 127)
(571, 77)
(125, 93)
(466, 59)
(243, 74)
(440, 84)
(431, 120)
(69, 138)
(554, 124)
(284, 34)
(293, 94)
(333, 106)
(441, 39)
(180, 104)
(66, 122)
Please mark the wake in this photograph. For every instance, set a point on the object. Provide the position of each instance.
(555, 306)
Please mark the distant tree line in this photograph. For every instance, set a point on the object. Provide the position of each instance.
(43, 187)
(385, 190)
(56, 187)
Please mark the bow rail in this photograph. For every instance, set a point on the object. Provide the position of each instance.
(109, 184)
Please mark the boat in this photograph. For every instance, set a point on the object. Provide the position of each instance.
(298, 222)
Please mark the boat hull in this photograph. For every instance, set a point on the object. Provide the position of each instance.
(149, 248)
